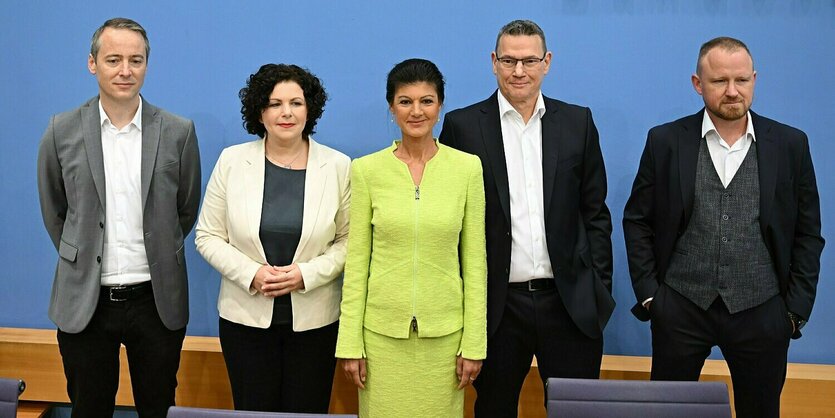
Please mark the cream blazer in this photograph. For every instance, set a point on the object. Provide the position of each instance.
(227, 235)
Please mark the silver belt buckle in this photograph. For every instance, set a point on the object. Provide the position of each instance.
(112, 297)
(530, 285)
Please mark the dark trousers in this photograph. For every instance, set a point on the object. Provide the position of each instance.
(277, 369)
(533, 323)
(91, 359)
(754, 342)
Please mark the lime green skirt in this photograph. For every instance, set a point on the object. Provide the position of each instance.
(411, 378)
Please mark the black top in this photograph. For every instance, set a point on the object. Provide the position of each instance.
(281, 225)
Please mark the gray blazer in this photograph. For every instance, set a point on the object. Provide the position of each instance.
(71, 188)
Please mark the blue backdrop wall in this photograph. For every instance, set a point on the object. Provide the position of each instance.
(629, 60)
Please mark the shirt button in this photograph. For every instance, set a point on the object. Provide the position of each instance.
(724, 217)
(101, 224)
(724, 239)
(98, 259)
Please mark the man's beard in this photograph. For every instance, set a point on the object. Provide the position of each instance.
(730, 113)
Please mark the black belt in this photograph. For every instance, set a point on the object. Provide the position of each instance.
(124, 293)
(533, 285)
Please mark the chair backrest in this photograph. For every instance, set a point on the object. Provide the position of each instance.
(636, 398)
(183, 412)
(10, 389)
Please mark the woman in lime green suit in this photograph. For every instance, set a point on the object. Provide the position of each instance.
(412, 331)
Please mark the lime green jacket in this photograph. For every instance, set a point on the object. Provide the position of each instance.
(415, 252)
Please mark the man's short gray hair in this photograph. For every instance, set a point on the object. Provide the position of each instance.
(521, 28)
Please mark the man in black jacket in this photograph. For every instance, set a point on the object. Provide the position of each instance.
(723, 235)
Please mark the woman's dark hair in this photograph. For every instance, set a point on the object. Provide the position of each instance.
(411, 71)
(256, 95)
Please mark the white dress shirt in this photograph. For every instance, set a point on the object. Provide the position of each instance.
(523, 155)
(727, 159)
(124, 260)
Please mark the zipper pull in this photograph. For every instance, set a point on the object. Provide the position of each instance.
(414, 324)
(417, 192)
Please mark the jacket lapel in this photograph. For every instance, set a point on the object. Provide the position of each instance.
(688, 157)
(150, 144)
(551, 134)
(253, 166)
(91, 125)
(491, 128)
(314, 189)
(767, 153)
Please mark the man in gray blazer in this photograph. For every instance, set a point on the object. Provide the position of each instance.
(119, 186)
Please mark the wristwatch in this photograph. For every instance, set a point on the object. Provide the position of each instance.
(797, 320)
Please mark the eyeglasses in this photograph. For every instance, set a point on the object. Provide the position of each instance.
(510, 62)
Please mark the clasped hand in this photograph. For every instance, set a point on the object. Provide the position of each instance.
(272, 281)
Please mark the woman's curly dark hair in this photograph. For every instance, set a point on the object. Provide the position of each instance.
(256, 95)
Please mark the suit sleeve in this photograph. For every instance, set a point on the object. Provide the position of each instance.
(638, 220)
(188, 191)
(593, 209)
(473, 254)
(212, 233)
(350, 343)
(51, 191)
(328, 266)
(808, 243)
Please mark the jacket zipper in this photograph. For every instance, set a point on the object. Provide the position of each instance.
(415, 266)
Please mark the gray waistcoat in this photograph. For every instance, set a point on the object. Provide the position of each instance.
(722, 252)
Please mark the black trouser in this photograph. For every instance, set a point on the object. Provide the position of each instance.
(754, 342)
(277, 369)
(533, 323)
(91, 359)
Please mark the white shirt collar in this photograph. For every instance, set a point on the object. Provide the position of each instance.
(708, 126)
(505, 106)
(136, 121)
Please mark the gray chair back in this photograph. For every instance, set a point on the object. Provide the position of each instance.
(183, 412)
(10, 390)
(575, 398)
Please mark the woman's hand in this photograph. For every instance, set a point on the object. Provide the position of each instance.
(264, 275)
(354, 370)
(467, 371)
(274, 281)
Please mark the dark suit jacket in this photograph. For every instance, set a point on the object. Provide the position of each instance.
(71, 188)
(661, 204)
(578, 226)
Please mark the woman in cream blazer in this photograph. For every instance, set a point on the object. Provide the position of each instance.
(279, 352)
